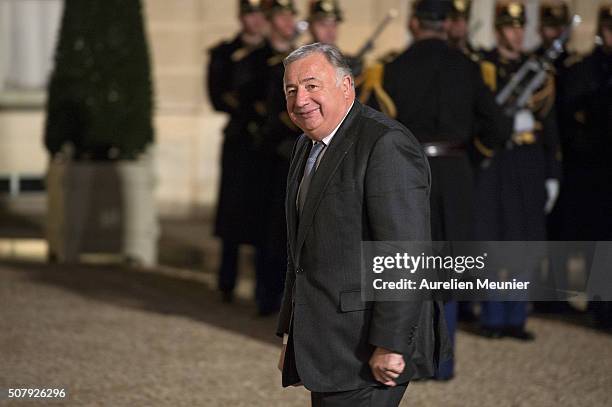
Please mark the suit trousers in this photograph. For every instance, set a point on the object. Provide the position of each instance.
(378, 396)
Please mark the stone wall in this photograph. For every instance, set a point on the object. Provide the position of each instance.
(188, 131)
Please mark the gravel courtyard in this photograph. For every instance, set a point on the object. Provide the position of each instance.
(116, 336)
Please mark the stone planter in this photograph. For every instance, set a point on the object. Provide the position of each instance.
(102, 207)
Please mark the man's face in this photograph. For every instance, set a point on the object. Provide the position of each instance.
(253, 23)
(316, 103)
(457, 29)
(549, 33)
(283, 22)
(324, 30)
(511, 38)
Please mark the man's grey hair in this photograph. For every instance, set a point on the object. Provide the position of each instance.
(331, 53)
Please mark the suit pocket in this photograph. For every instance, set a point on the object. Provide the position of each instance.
(351, 301)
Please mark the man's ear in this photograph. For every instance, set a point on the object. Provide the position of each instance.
(347, 85)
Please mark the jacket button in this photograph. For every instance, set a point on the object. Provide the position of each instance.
(299, 270)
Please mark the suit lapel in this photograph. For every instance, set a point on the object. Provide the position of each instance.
(336, 151)
(295, 175)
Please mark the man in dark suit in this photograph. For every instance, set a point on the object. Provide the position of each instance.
(437, 92)
(355, 176)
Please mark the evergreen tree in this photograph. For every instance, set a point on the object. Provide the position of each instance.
(100, 92)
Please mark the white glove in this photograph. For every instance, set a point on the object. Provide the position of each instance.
(523, 121)
(552, 192)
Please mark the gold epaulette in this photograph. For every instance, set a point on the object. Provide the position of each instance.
(482, 149)
(240, 53)
(385, 59)
(489, 74)
(372, 82)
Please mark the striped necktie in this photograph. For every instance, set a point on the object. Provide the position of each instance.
(309, 171)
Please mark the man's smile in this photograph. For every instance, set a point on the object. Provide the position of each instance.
(307, 114)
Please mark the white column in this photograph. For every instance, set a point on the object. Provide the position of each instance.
(33, 26)
(532, 36)
(5, 41)
(26, 57)
(50, 25)
(481, 21)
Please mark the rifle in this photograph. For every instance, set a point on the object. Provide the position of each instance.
(356, 62)
(369, 44)
(532, 74)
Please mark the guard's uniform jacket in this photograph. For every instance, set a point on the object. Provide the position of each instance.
(586, 137)
(278, 136)
(438, 93)
(233, 84)
(511, 192)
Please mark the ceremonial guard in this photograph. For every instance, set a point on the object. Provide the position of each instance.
(554, 18)
(459, 37)
(519, 185)
(587, 148)
(233, 88)
(278, 136)
(439, 95)
(324, 18)
(459, 28)
(587, 139)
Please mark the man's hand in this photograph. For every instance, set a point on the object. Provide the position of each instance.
(386, 366)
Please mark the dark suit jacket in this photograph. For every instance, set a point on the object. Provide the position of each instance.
(372, 183)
